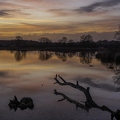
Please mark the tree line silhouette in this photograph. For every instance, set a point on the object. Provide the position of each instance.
(63, 44)
(44, 43)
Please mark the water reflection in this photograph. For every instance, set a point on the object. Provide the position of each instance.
(3, 74)
(70, 55)
(45, 55)
(101, 85)
(111, 60)
(86, 57)
(30, 74)
(19, 55)
(116, 79)
(62, 56)
(108, 58)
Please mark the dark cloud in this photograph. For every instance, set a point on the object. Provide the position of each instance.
(7, 13)
(3, 74)
(94, 6)
(59, 12)
(8, 9)
(12, 13)
(4, 13)
(92, 9)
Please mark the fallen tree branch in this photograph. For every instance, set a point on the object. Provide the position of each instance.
(89, 103)
(89, 99)
(70, 100)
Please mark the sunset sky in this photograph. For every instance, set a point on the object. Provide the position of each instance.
(33, 19)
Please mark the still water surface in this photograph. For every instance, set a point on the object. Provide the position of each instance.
(31, 74)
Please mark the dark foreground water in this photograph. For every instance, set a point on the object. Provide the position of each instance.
(31, 74)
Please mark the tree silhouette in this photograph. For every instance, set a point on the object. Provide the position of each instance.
(86, 41)
(19, 38)
(117, 34)
(87, 38)
(44, 40)
(63, 40)
(70, 41)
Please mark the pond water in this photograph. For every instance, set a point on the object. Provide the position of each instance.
(31, 74)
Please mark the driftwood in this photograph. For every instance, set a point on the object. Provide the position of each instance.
(89, 103)
(24, 103)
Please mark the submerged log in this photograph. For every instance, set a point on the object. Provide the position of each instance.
(89, 103)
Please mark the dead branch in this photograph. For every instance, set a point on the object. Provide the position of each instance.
(89, 103)
(89, 99)
(70, 100)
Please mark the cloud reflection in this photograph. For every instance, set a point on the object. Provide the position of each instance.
(3, 74)
(100, 85)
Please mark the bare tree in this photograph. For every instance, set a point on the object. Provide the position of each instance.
(70, 41)
(19, 38)
(87, 38)
(18, 41)
(63, 40)
(44, 40)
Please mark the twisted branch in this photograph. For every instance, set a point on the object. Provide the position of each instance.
(89, 99)
(89, 103)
